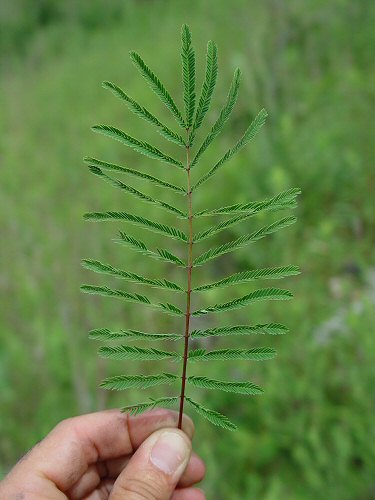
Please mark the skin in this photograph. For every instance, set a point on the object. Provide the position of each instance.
(110, 455)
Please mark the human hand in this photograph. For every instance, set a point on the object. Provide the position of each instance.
(110, 455)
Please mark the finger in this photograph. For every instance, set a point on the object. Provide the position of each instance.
(189, 494)
(194, 472)
(155, 468)
(66, 453)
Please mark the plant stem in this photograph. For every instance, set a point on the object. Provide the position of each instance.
(188, 291)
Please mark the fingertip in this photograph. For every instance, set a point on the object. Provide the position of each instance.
(189, 494)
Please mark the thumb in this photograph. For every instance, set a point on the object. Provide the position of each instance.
(155, 468)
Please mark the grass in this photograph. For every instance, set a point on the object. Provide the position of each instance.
(310, 434)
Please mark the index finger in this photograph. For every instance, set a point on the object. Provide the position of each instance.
(66, 453)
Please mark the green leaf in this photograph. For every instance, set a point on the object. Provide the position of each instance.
(253, 354)
(223, 117)
(140, 247)
(212, 416)
(106, 334)
(250, 133)
(99, 267)
(122, 382)
(247, 388)
(283, 200)
(118, 168)
(121, 352)
(149, 405)
(156, 85)
(270, 273)
(104, 291)
(244, 240)
(256, 296)
(264, 329)
(211, 231)
(140, 146)
(137, 220)
(144, 114)
(188, 74)
(134, 192)
(208, 86)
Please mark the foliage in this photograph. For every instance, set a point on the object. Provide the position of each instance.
(190, 123)
(310, 69)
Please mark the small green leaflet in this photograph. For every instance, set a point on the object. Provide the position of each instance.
(135, 173)
(283, 200)
(99, 267)
(247, 388)
(130, 297)
(107, 334)
(144, 113)
(223, 117)
(139, 408)
(257, 295)
(137, 220)
(250, 133)
(254, 354)
(134, 192)
(139, 246)
(208, 86)
(188, 75)
(263, 329)
(270, 273)
(156, 85)
(212, 416)
(122, 382)
(121, 352)
(140, 146)
(244, 240)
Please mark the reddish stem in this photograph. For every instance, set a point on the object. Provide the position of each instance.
(188, 291)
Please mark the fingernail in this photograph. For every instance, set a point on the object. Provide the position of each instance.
(169, 452)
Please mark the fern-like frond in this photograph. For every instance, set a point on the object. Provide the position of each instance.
(254, 354)
(120, 352)
(264, 329)
(140, 146)
(250, 298)
(156, 85)
(137, 220)
(144, 114)
(208, 86)
(122, 382)
(104, 291)
(269, 273)
(247, 388)
(223, 117)
(139, 246)
(212, 416)
(282, 201)
(139, 408)
(107, 334)
(135, 173)
(99, 267)
(188, 74)
(134, 192)
(250, 133)
(243, 240)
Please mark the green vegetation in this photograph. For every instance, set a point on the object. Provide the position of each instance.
(310, 64)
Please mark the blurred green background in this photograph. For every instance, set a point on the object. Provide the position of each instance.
(310, 64)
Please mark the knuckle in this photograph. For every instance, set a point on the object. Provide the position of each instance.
(149, 487)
